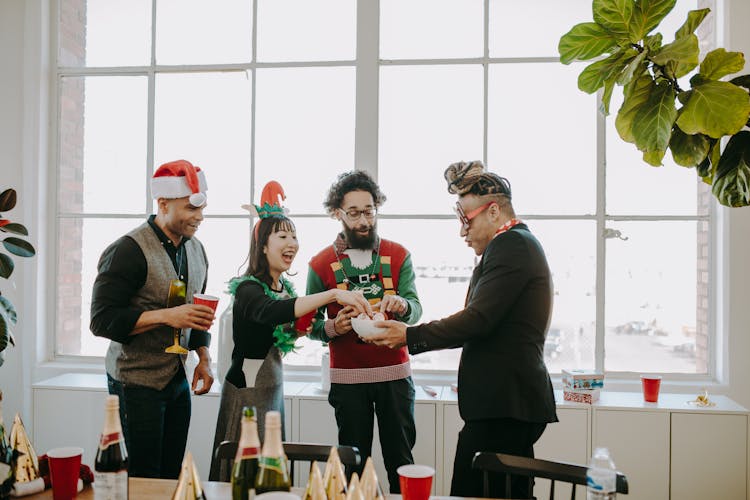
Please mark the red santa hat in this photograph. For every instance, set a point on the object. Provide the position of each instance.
(178, 179)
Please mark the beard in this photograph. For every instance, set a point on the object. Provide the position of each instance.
(359, 242)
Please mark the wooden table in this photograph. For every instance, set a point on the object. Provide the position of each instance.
(162, 489)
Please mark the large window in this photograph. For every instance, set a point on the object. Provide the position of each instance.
(301, 90)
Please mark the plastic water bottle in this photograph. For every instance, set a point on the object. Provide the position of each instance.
(601, 477)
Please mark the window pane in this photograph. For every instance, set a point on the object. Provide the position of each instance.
(636, 188)
(420, 29)
(304, 132)
(322, 30)
(102, 144)
(570, 338)
(205, 118)
(651, 297)
(80, 244)
(533, 29)
(105, 33)
(430, 117)
(198, 32)
(543, 142)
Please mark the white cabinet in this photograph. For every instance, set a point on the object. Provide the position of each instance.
(709, 456)
(564, 441)
(639, 444)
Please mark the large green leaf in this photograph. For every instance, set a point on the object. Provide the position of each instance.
(654, 158)
(15, 228)
(719, 63)
(19, 247)
(614, 16)
(636, 95)
(585, 41)
(683, 51)
(592, 78)
(4, 334)
(609, 86)
(635, 67)
(647, 15)
(7, 309)
(732, 183)
(715, 109)
(652, 43)
(652, 124)
(7, 200)
(688, 150)
(694, 19)
(6, 266)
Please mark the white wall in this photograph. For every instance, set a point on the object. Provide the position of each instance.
(22, 149)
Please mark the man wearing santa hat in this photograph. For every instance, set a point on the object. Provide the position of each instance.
(157, 265)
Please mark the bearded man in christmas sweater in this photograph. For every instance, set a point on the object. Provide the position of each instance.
(367, 380)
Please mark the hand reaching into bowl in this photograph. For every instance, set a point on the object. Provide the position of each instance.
(392, 304)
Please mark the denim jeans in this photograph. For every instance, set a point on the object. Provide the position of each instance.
(155, 425)
(356, 405)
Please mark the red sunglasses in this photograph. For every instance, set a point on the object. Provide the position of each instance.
(465, 218)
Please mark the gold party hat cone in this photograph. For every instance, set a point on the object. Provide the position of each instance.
(354, 492)
(315, 489)
(188, 484)
(369, 484)
(334, 477)
(27, 463)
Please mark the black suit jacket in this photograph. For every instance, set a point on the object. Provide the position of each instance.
(502, 330)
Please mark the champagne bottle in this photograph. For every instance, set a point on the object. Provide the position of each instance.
(272, 468)
(111, 464)
(246, 461)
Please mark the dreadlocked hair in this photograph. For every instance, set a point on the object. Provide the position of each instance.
(356, 180)
(473, 178)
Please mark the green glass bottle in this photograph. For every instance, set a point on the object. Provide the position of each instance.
(245, 467)
(272, 468)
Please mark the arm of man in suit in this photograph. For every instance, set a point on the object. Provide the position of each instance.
(503, 276)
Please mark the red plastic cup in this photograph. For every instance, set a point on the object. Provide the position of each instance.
(651, 385)
(206, 300)
(415, 481)
(304, 322)
(64, 469)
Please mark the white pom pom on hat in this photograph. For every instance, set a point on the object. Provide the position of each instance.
(178, 179)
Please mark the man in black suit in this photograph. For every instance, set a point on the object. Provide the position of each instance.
(504, 391)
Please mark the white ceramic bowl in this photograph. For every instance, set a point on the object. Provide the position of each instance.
(365, 328)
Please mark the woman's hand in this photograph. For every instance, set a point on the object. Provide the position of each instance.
(355, 299)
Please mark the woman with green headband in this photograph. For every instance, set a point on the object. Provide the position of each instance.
(265, 307)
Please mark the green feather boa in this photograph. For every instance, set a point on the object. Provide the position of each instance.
(283, 339)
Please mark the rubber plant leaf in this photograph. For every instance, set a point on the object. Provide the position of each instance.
(647, 15)
(688, 150)
(732, 181)
(7, 200)
(719, 63)
(615, 16)
(652, 124)
(15, 228)
(583, 42)
(636, 95)
(715, 109)
(6, 266)
(19, 247)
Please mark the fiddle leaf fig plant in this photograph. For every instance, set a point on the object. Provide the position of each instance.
(16, 246)
(657, 113)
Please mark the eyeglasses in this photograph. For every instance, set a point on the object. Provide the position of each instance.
(353, 215)
(465, 218)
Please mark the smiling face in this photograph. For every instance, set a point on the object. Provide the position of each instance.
(280, 250)
(358, 215)
(178, 218)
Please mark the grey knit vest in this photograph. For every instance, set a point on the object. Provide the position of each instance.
(142, 361)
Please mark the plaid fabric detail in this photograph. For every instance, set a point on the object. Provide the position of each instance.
(370, 375)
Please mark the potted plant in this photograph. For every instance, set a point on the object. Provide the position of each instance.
(629, 53)
(16, 246)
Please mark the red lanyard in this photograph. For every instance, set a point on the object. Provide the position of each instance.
(506, 227)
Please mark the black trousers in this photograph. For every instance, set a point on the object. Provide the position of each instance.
(155, 425)
(499, 435)
(356, 405)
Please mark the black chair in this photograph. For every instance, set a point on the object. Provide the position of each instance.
(302, 452)
(512, 465)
